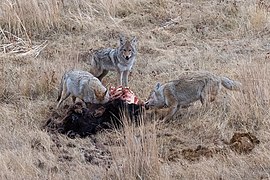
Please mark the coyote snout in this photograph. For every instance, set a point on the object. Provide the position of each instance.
(120, 59)
(156, 98)
(83, 85)
(127, 51)
(203, 86)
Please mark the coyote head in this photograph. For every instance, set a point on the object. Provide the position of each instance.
(156, 98)
(102, 97)
(127, 48)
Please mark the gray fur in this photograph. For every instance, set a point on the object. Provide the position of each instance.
(120, 60)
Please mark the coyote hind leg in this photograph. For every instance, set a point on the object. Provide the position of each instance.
(204, 97)
(103, 74)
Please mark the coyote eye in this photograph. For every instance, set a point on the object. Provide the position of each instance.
(129, 50)
(125, 50)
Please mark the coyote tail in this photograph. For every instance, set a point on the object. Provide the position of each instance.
(60, 88)
(231, 84)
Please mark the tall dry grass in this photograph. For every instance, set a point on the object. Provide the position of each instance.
(137, 157)
(226, 37)
(34, 17)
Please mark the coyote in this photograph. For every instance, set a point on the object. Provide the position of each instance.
(83, 85)
(201, 85)
(120, 59)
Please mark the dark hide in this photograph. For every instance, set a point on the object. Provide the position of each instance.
(83, 121)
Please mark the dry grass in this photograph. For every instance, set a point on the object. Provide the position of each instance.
(40, 39)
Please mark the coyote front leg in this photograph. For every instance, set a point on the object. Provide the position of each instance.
(125, 78)
(171, 112)
(63, 97)
(120, 78)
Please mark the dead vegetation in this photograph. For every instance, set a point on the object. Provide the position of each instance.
(39, 40)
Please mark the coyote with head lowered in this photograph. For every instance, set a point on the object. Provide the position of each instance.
(120, 59)
(83, 85)
(203, 86)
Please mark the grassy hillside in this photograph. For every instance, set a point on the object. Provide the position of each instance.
(41, 39)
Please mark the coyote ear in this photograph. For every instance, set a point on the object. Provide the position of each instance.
(122, 39)
(157, 86)
(134, 41)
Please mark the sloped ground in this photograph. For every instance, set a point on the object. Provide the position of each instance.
(226, 37)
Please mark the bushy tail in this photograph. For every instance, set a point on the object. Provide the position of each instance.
(231, 84)
(60, 89)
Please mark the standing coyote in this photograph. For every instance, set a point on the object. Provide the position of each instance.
(203, 86)
(120, 59)
(83, 85)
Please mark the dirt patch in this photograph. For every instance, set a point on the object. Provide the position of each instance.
(196, 154)
(93, 152)
(243, 142)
